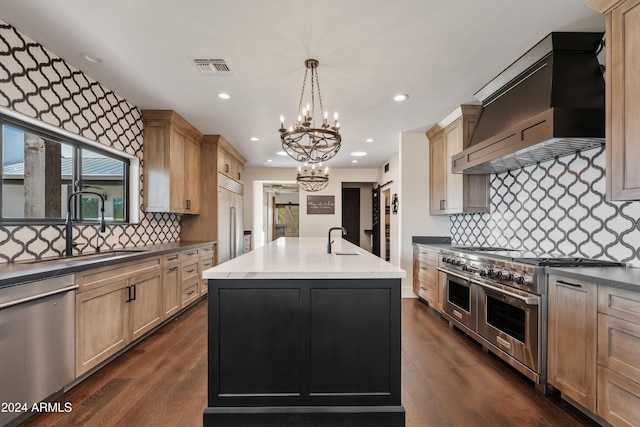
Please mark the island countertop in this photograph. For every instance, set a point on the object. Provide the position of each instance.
(305, 258)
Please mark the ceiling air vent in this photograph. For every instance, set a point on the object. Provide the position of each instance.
(211, 66)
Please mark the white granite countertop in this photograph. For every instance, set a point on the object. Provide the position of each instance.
(305, 258)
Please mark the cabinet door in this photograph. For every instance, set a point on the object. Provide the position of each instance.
(171, 287)
(573, 322)
(437, 174)
(177, 184)
(192, 177)
(223, 162)
(442, 279)
(102, 326)
(623, 101)
(453, 142)
(145, 306)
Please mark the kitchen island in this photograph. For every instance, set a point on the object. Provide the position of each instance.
(299, 336)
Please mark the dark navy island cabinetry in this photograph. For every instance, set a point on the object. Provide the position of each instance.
(301, 337)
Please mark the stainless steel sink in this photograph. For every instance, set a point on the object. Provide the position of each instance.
(84, 257)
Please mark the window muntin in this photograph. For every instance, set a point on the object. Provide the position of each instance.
(40, 170)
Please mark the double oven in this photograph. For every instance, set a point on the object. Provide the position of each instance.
(499, 297)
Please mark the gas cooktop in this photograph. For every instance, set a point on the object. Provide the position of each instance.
(540, 259)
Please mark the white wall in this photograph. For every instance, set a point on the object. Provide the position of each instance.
(310, 225)
(413, 195)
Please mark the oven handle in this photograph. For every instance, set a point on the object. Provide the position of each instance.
(535, 300)
(459, 276)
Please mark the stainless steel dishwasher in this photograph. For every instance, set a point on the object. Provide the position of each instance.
(37, 330)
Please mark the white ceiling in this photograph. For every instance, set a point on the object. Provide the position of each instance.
(438, 52)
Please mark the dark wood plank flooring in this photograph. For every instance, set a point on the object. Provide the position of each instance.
(447, 380)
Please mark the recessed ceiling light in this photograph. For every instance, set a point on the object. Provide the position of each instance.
(358, 154)
(254, 139)
(269, 161)
(401, 97)
(354, 161)
(223, 95)
(90, 58)
(282, 153)
(370, 139)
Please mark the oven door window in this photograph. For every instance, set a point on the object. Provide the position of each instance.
(458, 295)
(506, 318)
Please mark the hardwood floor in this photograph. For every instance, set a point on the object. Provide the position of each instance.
(447, 380)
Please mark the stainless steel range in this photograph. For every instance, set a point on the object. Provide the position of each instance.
(499, 297)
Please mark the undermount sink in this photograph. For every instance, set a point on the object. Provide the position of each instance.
(348, 253)
(66, 259)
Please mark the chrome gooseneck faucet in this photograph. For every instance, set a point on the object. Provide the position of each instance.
(69, 229)
(329, 241)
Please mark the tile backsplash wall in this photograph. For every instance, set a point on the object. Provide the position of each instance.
(557, 207)
(39, 85)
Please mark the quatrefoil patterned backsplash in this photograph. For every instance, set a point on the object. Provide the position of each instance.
(557, 207)
(42, 86)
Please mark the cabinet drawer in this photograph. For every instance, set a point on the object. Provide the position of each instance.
(189, 270)
(189, 255)
(619, 303)
(190, 292)
(618, 398)
(170, 259)
(427, 257)
(427, 274)
(619, 346)
(427, 291)
(206, 252)
(205, 264)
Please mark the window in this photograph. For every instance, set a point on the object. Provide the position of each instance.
(41, 169)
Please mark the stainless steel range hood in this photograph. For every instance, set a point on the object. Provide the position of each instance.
(548, 103)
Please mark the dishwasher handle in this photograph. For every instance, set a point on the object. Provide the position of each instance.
(42, 295)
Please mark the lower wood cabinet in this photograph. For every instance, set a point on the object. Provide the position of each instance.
(171, 284)
(114, 306)
(594, 348)
(425, 275)
(572, 335)
(120, 303)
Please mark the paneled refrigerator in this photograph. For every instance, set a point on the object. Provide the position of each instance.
(230, 218)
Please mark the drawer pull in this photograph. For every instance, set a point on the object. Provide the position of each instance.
(190, 271)
(173, 269)
(191, 293)
(190, 253)
(423, 288)
(575, 285)
(173, 258)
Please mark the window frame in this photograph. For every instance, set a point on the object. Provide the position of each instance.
(76, 178)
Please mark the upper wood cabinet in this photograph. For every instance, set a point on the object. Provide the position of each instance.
(622, 96)
(230, 162)
(216, 155)
(171, 163)
(451, 193)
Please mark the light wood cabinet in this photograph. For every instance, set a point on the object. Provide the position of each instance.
(425, 275)
(572, 339)
(190, 281)
(215, 155)
(146, 302)
(171, 284)
(619, 356)
(171, 163)
(622, 96)
(451, 193)
(114, 306)
(206, 261)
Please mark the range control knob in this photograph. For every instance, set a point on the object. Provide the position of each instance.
(483, 272)
(458, 263)
(500, 275)
(510, 277)
(465, 267)
(519, 280)
(491, 273)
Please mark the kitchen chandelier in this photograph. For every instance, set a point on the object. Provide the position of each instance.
(307, 140)
(312, 179)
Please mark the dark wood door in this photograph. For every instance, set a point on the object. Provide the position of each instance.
(351, 214)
